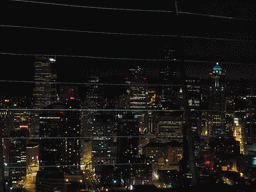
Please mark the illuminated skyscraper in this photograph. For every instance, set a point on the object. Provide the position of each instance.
(218, 100)
(218, 75)
(45, 93)
(18, 156)
(138, 96)
(137, 93)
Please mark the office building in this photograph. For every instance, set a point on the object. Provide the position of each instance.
(18, 156)
(45, 92)
(217, 100)
(66, 92)
(169, 127)
(62, 154)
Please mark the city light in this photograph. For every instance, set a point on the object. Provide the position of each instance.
(51, 59)
(126, 136)
(24, 126)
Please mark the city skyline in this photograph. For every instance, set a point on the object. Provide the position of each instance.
(140, 126)
(228, 40)
(93, 95)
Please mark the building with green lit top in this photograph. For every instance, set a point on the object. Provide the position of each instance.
(217, 100)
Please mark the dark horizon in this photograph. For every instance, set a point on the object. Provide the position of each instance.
(207, 40)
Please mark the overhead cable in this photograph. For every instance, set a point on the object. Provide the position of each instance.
(92, 137)
(135, 10)
(111, 110)
(88, 84)
(91, 32)
(93, 110)
(128, 34)
(58, 166)
(125, 59)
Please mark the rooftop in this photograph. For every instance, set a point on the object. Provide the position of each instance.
(217, 67)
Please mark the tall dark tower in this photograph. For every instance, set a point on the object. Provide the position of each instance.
(45, 93)
(217, 101)
(63, 154)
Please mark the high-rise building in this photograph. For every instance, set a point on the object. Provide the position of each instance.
(103, 148)
(63, 154)
(15, 118)
(217, 100)
(169, 127)
(127, 142)
(67, 92)
(168, 94)
(94, 96)
(194, 104)
(18, 156)
(138, 95)
(98, 128)
(127, 125)
(45, 92)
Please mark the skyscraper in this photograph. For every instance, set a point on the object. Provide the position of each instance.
(99, 126)
(138, 96)
(45, 92)
(217, 100)
(18, 156)
(61, 153)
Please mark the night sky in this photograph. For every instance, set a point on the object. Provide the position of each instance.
(237, 57)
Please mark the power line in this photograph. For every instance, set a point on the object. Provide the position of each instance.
(216, 38)
(98, 138)
(94, 110)
(104, 84)
(58, 166)
(108, 84)
(92, 57)
(127, 34)
(91, 7)
(114, 110)
(88, 84)
(125, 59)
(217, 16)
(135, 10)
(91, 32)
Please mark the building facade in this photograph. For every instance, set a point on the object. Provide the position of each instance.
(62, 153)
(217, 100)
(18, 156)
(45, 92)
